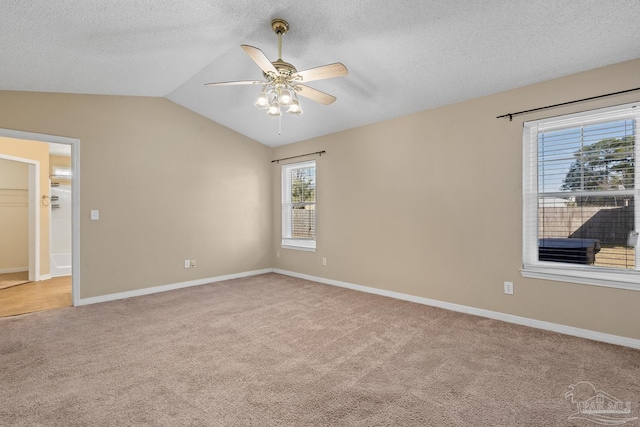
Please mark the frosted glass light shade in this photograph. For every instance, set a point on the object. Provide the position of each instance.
(295, 107)
(285, 97)
(263, 100)
(274, 109)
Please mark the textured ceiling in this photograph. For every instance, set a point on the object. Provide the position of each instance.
(403, 56)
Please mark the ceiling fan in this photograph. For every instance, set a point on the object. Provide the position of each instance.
(283, 83)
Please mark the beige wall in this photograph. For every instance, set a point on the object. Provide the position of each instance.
(169, 184)
(431, 205)
(35, 151)
(14, 215)
(14, 175)
(428, 204)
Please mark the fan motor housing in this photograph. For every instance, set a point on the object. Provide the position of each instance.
(284, 67)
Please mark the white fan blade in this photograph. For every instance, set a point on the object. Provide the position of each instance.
(239, 82)
(315, 95)
(259, 58)
(324, 72)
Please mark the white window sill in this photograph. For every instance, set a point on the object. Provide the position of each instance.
(299, 245)
(609, 278)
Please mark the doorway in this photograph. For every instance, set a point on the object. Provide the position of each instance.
(19, 213)
(60, 284)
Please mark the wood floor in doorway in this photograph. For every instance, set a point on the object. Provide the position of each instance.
(8, 280)
(36, 296)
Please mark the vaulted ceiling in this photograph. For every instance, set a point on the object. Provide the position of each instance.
(403, 56)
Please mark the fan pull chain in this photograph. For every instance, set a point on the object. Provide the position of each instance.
(279, 125)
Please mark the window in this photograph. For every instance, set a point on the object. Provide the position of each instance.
(299, 206)
(580, 216)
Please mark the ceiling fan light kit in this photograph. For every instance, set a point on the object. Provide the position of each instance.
(283, 83)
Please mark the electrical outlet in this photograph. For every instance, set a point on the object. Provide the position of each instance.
(187, 263)
(324, 261)
(193, 263)
(508, 288)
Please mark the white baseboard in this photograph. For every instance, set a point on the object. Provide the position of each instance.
(170, 287)
(525, 321)
(13, 270)
(44, 277)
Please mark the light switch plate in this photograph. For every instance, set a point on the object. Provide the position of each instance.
(95, 215)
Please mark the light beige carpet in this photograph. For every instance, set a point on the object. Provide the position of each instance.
(8, 280)
(272, 350)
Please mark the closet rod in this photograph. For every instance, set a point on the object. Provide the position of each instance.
(510, 115)
(319, 153)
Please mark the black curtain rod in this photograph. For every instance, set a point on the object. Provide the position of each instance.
(510, 115)
(319, 153)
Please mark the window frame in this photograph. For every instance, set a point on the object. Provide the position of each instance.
(564, 272)
(289, 242)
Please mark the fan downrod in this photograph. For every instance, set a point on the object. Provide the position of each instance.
(281, 27)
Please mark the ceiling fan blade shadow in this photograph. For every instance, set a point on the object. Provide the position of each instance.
(315, 94)
(259, 58)
(324, 72)
(236, 83)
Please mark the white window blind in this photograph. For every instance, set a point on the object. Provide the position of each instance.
(299, 206)
(580, 197)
